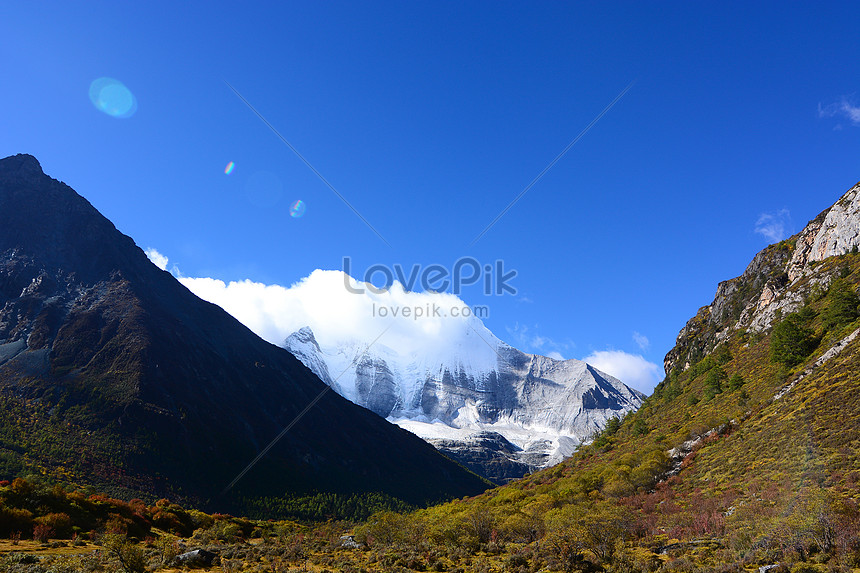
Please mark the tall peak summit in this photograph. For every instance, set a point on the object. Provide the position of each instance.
(21, 164)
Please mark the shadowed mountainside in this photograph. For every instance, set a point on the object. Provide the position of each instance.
(113, 373)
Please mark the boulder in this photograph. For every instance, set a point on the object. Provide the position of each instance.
(196, 558)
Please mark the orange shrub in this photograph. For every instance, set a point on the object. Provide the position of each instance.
(60, 524)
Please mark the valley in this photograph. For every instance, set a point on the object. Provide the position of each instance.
(744, 458)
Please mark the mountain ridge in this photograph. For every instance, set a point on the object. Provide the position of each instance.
(155, 382)
(752, 299)
(542, 407)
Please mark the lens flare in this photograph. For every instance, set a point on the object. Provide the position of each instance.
(229, 169)
(297, 209)
(113, 98)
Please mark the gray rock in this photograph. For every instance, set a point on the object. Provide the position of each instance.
(835, 232)
(196, 558)
(349, 542)
(490, 455)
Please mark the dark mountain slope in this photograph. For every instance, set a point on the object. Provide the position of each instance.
(113, 372)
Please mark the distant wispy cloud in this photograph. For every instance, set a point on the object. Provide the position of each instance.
(632, 369)
(157, 258)
(774, 226)
(161, 261)
(844, 108)
(641, 341)
(527, 339)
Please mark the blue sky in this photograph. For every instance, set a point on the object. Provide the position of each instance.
(429, 118)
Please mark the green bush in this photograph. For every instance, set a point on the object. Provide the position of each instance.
(640, 427)
(612, 425)
(842, 304)
(791, 341)
(129, 555)
(735, 382)
(714, 381)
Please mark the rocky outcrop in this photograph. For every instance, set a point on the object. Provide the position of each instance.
(196, 558)
(777, 281)
(834, 232)
(488, 454)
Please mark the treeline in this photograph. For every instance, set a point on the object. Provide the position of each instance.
(30, 509)
(325, 506)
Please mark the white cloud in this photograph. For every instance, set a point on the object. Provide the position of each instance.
(323, 302)
(157, 258)
(853, 112)
(632, 369)
(641, 341)
(520, 334)
(774, 226)
(843, 108)
(161, 261)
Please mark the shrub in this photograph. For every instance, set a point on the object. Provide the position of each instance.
(59, 523)
(612, 425)
(15, 520)
(723, 354)
(383, 528)
(640, 428)
(42, 532)
(842, 303)
(714, 382)
(129, 555)
(672, 391)
(22, 487)
(168, 547)
(735, 382)
(791, 341)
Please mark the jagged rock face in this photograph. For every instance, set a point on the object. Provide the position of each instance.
(142, 375)
(488, 454)
(776, 281)
(836, 231)
(543, 407)
(375, 383)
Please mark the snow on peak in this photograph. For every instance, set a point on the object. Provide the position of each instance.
(424, 362)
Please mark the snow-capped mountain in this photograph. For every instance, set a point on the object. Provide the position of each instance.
(438, 373)
(530, 411)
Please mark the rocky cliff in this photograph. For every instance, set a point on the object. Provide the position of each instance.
(777, 281)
